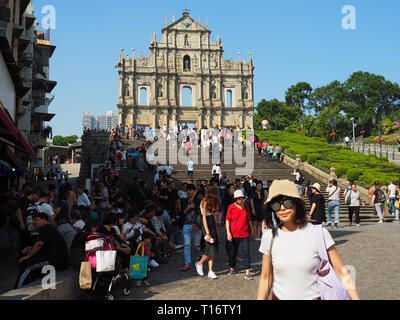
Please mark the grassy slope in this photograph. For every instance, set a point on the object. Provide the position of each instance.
(363, 169)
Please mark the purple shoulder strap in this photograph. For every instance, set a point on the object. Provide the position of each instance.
(320, 242)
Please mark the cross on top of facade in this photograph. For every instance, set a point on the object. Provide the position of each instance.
(186, 10)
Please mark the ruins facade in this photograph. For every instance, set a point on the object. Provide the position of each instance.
(186, 80)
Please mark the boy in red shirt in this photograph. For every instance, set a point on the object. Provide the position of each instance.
(237, 232)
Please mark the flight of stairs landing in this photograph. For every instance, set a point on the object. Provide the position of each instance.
(263, 170)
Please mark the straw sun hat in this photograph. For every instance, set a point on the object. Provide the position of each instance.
(283, 188)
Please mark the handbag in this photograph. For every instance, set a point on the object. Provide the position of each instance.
(397, 204)
(348, 199)
(85, 275)
(329, 283)
(105, 260)
(138, 265)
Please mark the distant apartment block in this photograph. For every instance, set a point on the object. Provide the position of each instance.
(106, 121)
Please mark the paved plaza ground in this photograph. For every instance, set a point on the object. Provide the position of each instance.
(372, 249)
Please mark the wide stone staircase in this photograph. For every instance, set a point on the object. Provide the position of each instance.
(263, 170)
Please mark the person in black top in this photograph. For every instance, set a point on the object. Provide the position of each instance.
(257, 199)
(317, 212)
(27, 233)
(49, 249)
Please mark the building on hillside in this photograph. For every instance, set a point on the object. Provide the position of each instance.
(185, 80)
(24, 87)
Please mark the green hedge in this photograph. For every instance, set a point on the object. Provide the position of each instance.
(362, 169)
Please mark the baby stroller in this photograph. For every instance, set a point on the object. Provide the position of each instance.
(104, 281)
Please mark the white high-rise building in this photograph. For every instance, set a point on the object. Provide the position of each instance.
(106, 121)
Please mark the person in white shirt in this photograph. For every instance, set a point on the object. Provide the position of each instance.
(82, 199)
(347, 141)
(169, 169)
(333, 202)
(135, 227)
(124, 162)
(391, 197)
(216, 171)
(76, 219)
(43, 206)
(157, 176)
(290, 252)
(190, 167)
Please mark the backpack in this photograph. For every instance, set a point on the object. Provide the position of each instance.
(381, 197)
(28, 214)
(301, 178)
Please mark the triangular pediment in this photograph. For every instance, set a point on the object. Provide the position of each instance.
(186, 23)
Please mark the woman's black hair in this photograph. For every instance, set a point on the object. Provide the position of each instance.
(76, 214)
(91, 224)
(132, 214)
(300, 218)
(159, 211)
(110, 218)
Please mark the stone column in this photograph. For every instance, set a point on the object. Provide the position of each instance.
(154, 120)
(200, 121)
(173, 122)
(298, 163)
(332, 175)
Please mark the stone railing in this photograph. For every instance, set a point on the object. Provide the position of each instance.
(323, 177)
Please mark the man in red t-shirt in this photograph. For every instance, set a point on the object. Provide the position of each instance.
(237, 232)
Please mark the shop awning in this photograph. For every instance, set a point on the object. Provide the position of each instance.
(8, 123)
(14, 160)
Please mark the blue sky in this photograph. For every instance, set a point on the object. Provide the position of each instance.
(290, 41)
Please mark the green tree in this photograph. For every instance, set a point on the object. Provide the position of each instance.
(370, 99)
(278, 113)
(329, 104)
(64, 141)
(298, 95)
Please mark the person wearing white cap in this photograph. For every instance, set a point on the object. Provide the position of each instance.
(237, 232)
(291, 258)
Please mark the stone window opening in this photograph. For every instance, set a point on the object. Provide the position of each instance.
(186, 63)
(143, 97)
(186, 97)
(229, 98)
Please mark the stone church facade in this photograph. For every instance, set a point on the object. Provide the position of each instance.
(217, 91)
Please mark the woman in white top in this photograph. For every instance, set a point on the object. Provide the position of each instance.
(333, 202)
(289, 270)
(216, 171)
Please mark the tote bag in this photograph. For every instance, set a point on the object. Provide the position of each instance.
(85, 275)
(329, 283)
(105, 260)
(138, 265)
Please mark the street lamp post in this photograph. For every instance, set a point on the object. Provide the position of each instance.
(354, 132)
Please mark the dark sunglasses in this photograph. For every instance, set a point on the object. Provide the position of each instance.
(276, 204)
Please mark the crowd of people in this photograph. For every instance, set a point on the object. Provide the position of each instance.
(197, 217)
